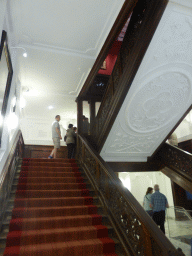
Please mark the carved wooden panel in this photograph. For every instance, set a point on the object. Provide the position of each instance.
(135, 225)
(38, 151)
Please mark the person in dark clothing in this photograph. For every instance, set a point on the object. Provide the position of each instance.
(74, 151)
(70, 141)
(159, 203)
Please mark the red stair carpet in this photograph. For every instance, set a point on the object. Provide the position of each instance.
(53, 213)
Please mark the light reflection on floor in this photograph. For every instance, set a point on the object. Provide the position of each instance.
(179, 228)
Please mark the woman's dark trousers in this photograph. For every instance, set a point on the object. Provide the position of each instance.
(71, 148)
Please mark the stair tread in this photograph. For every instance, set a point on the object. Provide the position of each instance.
(53, 207)
(42, 231)
(54, 225)
(52, 218)
(45, 198)
(80, 241)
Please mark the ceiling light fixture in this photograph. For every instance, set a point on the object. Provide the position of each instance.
(50, 107)
(18, 47)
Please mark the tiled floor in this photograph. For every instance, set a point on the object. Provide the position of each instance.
(179, 228)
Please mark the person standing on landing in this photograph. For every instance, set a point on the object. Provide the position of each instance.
(147, 201)
(70, 141)
(159, 203)
(56, 136)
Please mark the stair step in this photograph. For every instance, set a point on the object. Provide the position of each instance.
(96, 202)
(3, 238)
(33, 212)
(11, 202)
(6, 222)
(88, 247)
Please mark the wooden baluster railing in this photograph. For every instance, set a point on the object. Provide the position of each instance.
(144, 20)
(138, 233)
(8, 173)
(178, 165)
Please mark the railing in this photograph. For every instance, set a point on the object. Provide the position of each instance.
(124, 14)
(178, 160)
(136, 230)
(8, 173)
(144, 20)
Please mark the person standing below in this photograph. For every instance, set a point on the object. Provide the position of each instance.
(173, 139)
(70, 141)
(56, 136)
(159, 203)
(147, 201)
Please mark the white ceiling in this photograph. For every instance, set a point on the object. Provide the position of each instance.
(161, 92)
(62, 39)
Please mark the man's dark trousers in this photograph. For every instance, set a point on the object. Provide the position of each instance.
(159, 218)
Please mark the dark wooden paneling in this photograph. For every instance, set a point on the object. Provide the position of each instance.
(39, 151)
(186, 145)
(178, 179)
(180, 197)
(135, 167)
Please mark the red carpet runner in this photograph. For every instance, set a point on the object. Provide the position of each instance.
(53, 213)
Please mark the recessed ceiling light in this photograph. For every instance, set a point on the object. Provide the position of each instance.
(50, 107)
(25, 54)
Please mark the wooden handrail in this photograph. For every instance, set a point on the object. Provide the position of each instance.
(8, 173)
(144, 20)
(178, 165)
(135, 225)
(124, 14)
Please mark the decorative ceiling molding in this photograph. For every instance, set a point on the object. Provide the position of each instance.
(160, 100)
(58, 50)
(160, 93)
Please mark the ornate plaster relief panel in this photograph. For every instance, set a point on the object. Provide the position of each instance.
(160, 93)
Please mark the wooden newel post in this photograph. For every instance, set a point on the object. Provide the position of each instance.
(92, 114)
(79, 116)
(147, 241)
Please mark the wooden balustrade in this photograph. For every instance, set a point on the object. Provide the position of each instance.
(8, 173)
(144, 20)
(137, 231)
(178, 165)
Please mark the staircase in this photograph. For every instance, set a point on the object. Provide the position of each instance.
(54, 211)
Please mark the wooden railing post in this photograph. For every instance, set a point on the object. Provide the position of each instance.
(83, 152)
(92, 114)
(79, 116)
(147, 242)
(97, 171)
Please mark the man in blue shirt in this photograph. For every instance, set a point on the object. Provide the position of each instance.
(159, 203)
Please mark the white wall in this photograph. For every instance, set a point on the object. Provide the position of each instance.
(140, 181)
(38, 131)
(9, 133)
(184, 130)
